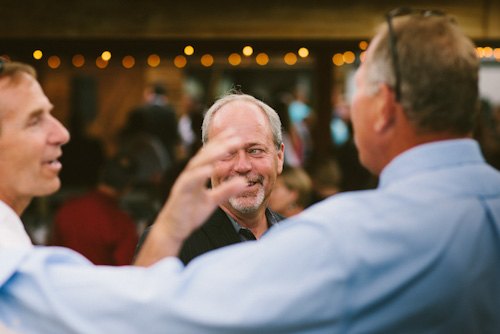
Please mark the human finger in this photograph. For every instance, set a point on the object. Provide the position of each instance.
(227, 189)
(216, 149)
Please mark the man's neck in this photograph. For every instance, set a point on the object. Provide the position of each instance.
(18, 204)
(255, 221)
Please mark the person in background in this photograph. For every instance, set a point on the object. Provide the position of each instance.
(326, 177)
(294, 145)
(150, 136)
(292, 192)
(94, 224)
(190, 125)
(245, 217)
(418, 254)
(157, 117)
(487, 132)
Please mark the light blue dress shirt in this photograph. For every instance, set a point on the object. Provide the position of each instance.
(419, 254)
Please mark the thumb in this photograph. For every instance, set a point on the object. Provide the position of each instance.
(227, 189)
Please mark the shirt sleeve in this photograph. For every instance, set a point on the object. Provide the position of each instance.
(225, 291)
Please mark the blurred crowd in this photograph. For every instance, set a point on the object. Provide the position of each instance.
(107, 202)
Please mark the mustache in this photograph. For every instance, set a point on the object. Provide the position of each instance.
(250, 179)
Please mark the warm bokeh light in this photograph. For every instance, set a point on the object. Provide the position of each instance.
(54, 62)
(349, 57)
(106, 55)
(188, 50)
(37, 54)
(78, 60)
(6, 57)
(101, 63)
(262, 59)
(153, 60)
(488, 52)
(480, 52)
(180, 61)
(290, 58)
(207, 60)
(362, 56)
(234, 59)
(496, 53)
(303, 52)
(363, 45)
(128, 61)
(338, 59)
(247, 50)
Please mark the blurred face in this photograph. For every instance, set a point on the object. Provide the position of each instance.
(30, 142)
(259, 160)
(281, 198)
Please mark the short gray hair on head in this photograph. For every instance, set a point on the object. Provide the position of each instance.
(272, 116)
(439, 72)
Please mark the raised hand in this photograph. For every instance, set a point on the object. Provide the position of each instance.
(190, 202)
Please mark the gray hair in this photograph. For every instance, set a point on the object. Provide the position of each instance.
(439, 73)
(272, 116)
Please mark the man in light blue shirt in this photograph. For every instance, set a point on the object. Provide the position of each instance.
(419, 254)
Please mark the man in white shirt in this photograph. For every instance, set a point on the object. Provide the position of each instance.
(419, 254)
(30, 144)
(12, 231)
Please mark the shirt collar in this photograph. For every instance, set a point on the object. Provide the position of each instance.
(430, 156)
(12, 231)
(271, 220)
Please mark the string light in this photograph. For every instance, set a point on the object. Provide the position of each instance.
(37, 54)
(262, 59)
(153, 60)
(290, 58)
(349, 57)
(188, 50)
(54, 62)
(303, 52)
(128, 61)
(207, 60)
(180, 61)
(106, 55)
(101, 63)
(234, 59)
(338, 59)
(78, 60)
(346, 57)
(247, 51)
(488, 52)
(496, 53)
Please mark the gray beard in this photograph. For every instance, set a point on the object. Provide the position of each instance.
(247, 204)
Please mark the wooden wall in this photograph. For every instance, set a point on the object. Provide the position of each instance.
(89, 27)
(313, 19)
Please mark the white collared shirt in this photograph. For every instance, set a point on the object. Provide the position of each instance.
(12, 231)
(418, 254)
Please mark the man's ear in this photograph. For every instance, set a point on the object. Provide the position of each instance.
(386, 112)
(281, 158)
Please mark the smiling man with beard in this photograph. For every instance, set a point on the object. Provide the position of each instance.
(245, 216)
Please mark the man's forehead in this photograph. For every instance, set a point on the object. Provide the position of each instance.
(238, 105)
(239, 110)
(241, 114)
(22, 93)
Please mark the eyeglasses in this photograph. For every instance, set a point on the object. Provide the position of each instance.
(392, 39)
